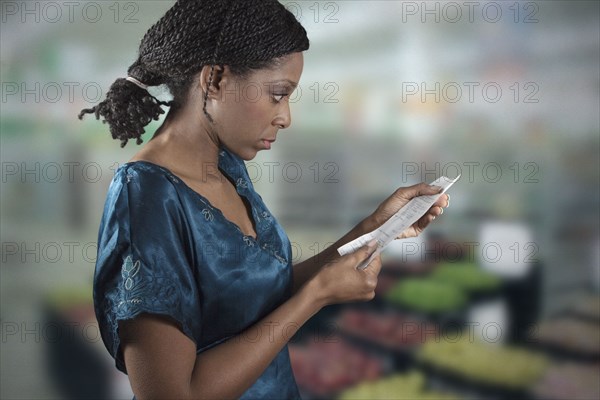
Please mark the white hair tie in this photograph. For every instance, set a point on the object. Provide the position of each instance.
(137, 83)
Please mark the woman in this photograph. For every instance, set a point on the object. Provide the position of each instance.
(194, 289)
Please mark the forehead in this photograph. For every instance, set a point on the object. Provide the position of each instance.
(289, 68)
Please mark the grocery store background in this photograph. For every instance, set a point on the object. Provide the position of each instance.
(393, 93)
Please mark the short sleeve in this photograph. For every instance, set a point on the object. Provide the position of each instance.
(145, 258)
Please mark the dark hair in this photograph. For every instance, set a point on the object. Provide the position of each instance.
(244, 34)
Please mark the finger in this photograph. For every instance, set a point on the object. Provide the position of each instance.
(424, 221)
(425, 189)
(363, 253)
(443, 201)
(420, 189)
(436, 211)
(374, 266)
(368, 249)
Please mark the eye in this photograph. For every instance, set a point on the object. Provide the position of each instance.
(277, 97)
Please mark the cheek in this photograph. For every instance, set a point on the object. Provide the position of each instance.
(255, 114)
(235, 114)
(248, 115)
(242, 122)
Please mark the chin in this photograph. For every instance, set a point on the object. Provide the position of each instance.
(247, 155)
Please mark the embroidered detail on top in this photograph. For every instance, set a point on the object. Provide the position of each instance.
(129, 270)
(129, 176)
(134, 301)
(278, 257)
(241, 182)
(266, 215)
(207, 214)
(173, 178)
(222, 153)
(248, 241)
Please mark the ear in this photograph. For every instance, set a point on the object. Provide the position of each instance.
(220, 75)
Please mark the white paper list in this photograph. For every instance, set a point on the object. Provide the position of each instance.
(393, 227)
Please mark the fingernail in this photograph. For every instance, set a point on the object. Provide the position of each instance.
(371, 246)
(442, 208)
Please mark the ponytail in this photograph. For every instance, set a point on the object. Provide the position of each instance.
(128, 108)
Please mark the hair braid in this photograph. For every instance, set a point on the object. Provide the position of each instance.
(214, 59)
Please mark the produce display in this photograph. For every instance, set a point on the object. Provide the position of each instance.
(569, 333)
(391, 330)
(467, 276)
(493, 365)
(399, 267)
(323, 368)
(569, 381)
(410, 335)
(426, 295)
(401, 386)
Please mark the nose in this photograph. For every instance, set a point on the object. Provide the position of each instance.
(283, 119)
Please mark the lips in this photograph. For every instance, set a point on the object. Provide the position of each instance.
(268, 142)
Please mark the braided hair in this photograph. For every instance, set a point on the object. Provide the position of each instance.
(246, 35)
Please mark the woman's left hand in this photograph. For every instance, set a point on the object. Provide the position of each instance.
(401, 197)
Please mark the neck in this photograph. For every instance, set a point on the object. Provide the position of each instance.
(186, 142)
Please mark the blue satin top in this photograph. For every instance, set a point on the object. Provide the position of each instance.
(164, 249)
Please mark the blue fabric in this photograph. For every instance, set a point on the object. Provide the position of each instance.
(164, 249)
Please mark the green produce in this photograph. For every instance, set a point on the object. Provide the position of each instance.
(427, 295)
(502, 366)
(400, 386)
(466, 276)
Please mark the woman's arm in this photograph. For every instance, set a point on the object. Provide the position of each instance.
(162, 362)
(306, 269)
(309, 267)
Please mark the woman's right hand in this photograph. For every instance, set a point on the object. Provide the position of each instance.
(340, 281)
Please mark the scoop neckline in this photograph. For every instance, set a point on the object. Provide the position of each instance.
(204, 199)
